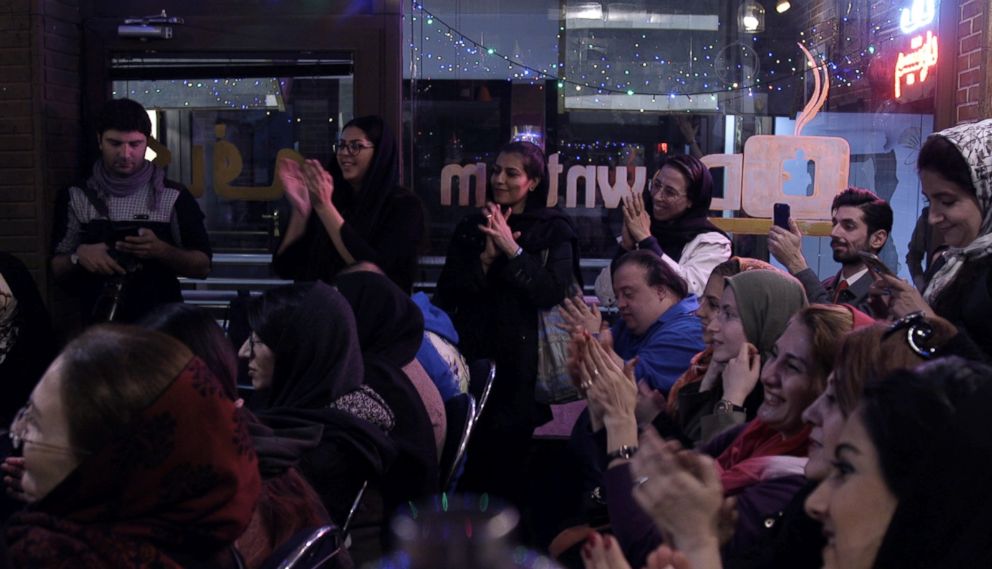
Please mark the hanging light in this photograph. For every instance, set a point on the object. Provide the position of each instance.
(751, 17)
(782, 6)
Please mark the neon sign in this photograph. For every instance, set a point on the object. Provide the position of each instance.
(919, 15)
(914, 67)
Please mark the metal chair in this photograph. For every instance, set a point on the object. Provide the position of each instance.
(482, 373)
(308, 549)
(460, 411)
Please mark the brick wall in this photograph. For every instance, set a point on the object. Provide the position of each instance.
(40, 44)
(972, 64)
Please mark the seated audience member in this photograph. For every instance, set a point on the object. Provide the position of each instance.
(674, 225)
(658, 322)
(909, 486)
(390, 331)
(134, 457)
(287, 504)
(27, 344)
(861, 222)
(678, 485)
(196, 328)
(954, 167)
(755, 309)
(438, 351)
(709, 307)
(306, 365)
(760, 463)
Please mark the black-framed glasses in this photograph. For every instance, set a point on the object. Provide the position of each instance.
(918, 332)
(18, 430)
(351, 147)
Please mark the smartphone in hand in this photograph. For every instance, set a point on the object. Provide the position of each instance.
(781, 214)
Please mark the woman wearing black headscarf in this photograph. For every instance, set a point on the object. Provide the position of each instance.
(516, 258)
(356, 212)
(671, 220)
(390, 330)
(306, 365)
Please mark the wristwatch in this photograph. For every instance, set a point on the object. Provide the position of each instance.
(625, 452)
(727, 407)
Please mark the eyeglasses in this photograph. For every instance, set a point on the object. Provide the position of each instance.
(352, 147)
(918, 332)
(666, 192)
(18, 430)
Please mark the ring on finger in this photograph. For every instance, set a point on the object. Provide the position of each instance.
(640, 481)
(595, 371)
(585, 385)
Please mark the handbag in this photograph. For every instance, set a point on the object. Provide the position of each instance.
(554, 384)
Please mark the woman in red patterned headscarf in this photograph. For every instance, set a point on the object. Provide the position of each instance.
(134, 457)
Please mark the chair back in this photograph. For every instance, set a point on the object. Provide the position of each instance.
(308, 549)
(461, 413)
(482, 373)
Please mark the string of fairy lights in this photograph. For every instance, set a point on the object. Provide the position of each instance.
(637, 73)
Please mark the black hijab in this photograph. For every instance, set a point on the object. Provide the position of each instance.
(311, 330)
(314, 256)
(930, 427)
(390, 330)
(673, 235)
(363, 208)
(388, 322)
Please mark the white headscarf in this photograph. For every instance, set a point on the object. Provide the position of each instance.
(974, 142)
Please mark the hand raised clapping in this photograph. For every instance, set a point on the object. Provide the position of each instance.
(636, 219)
(497, 229)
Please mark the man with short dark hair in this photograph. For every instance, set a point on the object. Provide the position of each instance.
(658, 322)
(861, 222)
(121, 238)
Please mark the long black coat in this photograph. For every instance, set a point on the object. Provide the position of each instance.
(496, 312)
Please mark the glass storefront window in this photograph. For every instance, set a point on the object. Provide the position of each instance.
(223, 124)
(610, 89)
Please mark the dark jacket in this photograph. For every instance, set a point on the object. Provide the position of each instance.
(789, 538)
(639, 536)
(822, 292)
(967, 303)
(496, 312)
(392, 243)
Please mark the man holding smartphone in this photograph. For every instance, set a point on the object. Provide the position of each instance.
(121, 238)
(861, 223)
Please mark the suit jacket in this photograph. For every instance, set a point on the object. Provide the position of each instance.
(822, 292)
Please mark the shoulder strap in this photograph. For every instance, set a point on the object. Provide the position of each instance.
(98, 204)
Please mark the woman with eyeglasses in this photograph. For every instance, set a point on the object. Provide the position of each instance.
(134, 456)
(357, 211)
(671, 219)
(505, 264)
(955, 167)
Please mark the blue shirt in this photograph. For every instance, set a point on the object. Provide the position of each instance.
(666, 348)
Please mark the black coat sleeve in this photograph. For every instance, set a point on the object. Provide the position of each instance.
(395, 243)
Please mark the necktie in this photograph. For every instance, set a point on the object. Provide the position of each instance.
(837, 291)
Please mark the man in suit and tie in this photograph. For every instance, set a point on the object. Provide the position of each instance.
(861, 222)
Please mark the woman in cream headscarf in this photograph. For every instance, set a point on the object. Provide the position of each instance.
(955, 167)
